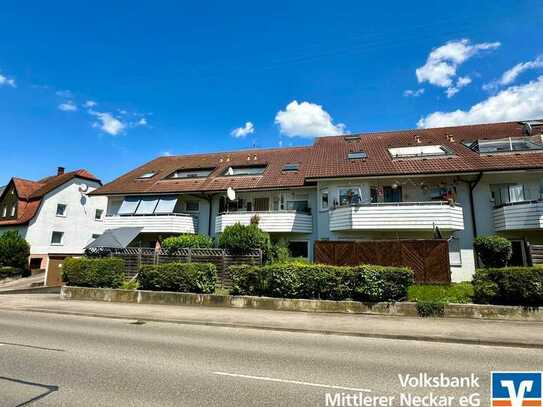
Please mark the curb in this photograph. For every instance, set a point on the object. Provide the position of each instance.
(422, 338)
(34, 290)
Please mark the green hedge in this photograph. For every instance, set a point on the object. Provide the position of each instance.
(319, 281)
(494, 251)
(241, 239)
(509, 286)
(174, 243)
(8, 272)
(14, 250)
(179, 277)
(85, 272)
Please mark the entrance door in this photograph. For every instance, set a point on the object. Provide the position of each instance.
(54, 271)
(392, 194)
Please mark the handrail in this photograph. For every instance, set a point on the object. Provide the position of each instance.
(140, 215)
(528, 201)
(423, 203)
(265, 212)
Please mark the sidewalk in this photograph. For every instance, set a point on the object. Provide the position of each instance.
(482, 332)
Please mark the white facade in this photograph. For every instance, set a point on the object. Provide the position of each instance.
(77, 225)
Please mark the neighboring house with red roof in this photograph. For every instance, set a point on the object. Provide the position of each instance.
(457, 182)
(55, 215)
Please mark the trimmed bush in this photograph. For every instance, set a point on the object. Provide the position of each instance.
(509, 286)
(10, 272)
(179, 277)
(428, 309)
(321, 281)
(14, 250)
(98, 273)
(494, 251)
(242, 239)
(174, 243)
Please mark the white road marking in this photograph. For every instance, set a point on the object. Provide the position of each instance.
(271, 379)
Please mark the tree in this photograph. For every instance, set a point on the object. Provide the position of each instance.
(14, 250)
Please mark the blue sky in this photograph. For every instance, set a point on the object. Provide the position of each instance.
(107, 87)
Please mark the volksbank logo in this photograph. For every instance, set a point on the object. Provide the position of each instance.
(516, 389)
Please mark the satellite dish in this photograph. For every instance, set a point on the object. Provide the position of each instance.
(83, 188)
(230, 171)
(231, 194)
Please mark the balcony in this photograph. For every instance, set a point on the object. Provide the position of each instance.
(398, 216)
(169, 223)
(519, 216)
(270, 221)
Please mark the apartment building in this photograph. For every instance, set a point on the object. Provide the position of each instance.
(55, 215)
(455, 183)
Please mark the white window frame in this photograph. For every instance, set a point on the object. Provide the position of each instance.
(61, 243)
(63, 214)
(98, 218)
(324, 191)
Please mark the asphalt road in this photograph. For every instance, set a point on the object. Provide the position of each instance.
(60, 360)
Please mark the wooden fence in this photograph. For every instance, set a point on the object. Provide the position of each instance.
(135, 257)
(429, 259)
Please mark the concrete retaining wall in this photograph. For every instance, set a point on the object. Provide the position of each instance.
(283, 304)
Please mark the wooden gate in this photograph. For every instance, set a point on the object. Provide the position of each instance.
(429, 259)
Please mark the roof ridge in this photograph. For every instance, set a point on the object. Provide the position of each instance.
(246, 150)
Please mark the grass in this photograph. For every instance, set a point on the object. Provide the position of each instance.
(459, 293)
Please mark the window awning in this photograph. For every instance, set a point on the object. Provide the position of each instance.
(129, 205)
(147, 205)
(166, 205)
(115, 238)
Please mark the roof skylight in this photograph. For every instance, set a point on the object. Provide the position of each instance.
(147, 175)
(419, 151)
(191, 173)
(291, 167)
(357, 155)
(504, 145)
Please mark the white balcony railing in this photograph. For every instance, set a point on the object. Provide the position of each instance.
(171, 223)
(397, 216)
(519, 216)
(270, 221)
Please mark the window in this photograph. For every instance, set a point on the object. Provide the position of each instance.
(98, 214)
(193, 206)
(348, 196)
(419, 151)
(502, 145)
(147, 175)
(5, 212)
(13, 210)
(351, 139)
(291, 167)
(57, 238)
(298, 206)
(391, 194)
(299, 248)
(357, 155)
(324, 199)
(191, 173)
(507, 193)
(61, 209)
(238, 171)
(95, 236)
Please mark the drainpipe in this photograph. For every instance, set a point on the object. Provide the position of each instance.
(472, 185)
(209, 199)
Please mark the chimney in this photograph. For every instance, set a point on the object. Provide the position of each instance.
(60, 170)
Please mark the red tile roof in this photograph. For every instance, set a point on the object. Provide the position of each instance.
(30, 193)
(328, 158)
(273, 176)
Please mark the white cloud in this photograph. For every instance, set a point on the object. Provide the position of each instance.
(523, 102)
(5, 81)
(413, 93)
(68, 106)
(108, 123)
(460, 83)
(141, 122)
(509, 76)
(166, 153)
(241, 132)
(89, 104)
(306, 120)
(442, 63)
(64, 93)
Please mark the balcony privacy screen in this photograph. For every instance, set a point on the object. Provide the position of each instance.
(147, 206)
(166, 205)
(129, 205)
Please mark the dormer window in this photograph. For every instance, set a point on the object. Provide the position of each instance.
(13, 210)
(191, 173)
(357, 155)
(239, 171)
(504, 145)
(419, 151)
(291, 167)
(351, 139)
(147, 175)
